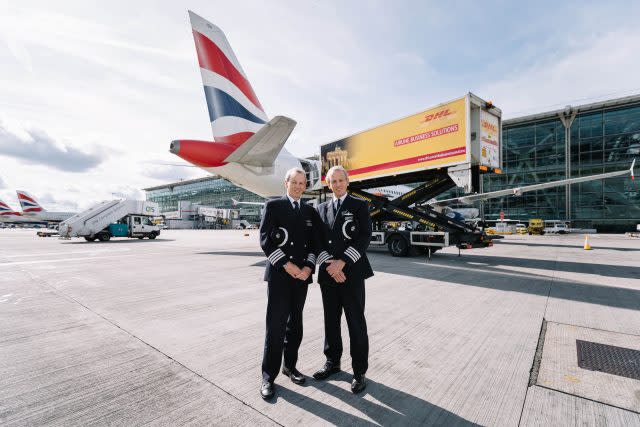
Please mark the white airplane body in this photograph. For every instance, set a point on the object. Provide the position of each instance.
(248, 148)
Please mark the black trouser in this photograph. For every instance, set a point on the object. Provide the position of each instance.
(284, 325)
(348, 296)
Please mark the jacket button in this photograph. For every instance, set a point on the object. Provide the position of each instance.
(329, 241)
(291, 257)
(291, 243)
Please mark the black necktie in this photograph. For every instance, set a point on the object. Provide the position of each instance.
(296, 207)
(337, 206)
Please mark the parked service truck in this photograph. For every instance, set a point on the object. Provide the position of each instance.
(113, 218)
(449, 145)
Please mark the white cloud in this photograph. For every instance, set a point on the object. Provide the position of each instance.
(40, 148)
(602, 67)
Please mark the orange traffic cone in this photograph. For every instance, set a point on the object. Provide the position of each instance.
(587, 246)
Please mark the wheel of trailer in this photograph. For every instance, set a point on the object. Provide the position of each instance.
(152, 235)
(89, 238)
(398, 246)
(140, 237)
(104, 237)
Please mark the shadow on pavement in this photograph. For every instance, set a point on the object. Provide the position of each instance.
(396, 407)
(482, 271)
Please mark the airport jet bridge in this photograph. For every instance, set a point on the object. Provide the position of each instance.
(449, 145)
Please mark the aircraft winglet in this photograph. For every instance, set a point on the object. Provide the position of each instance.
(263, 147)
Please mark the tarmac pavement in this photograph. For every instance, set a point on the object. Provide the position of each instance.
(170, 332)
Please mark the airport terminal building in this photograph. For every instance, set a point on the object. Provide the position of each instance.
(209, 191)
(568, 143)
(572, 142)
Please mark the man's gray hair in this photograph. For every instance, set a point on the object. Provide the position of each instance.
(294, 171)
(337, 168)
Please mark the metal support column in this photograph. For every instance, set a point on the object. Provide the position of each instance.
(567, 117)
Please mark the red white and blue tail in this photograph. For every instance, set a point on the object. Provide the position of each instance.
(234, 110)
(28, 203)
(6, 211)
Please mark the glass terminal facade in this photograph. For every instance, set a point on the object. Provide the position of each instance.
(210, 191)
(570, 143)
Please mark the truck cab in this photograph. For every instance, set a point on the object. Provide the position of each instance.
(141, 226)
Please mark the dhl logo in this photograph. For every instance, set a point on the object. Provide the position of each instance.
(439, 115)
(489, 126)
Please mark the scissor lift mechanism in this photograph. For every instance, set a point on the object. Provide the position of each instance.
(441, 230)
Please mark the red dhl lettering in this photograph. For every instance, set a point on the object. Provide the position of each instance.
(489, 126)
(440, 114)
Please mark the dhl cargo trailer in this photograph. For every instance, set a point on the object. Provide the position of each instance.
(448, 145)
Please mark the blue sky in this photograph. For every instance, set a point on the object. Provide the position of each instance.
(93, 92)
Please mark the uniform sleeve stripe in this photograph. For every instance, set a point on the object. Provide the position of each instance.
(275, 256)
(323, 257)
(274, 261)
(311, 258)
(353, 251)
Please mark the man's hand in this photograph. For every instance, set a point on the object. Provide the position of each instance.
(339, 277)
(335, 266)
(304, 273)
(292, 269)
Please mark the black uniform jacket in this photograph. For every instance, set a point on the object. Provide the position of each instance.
(302, 233)
(342, 242)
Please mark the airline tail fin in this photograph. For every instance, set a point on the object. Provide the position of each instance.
(28, 203)
(234, 109)
(5, 210)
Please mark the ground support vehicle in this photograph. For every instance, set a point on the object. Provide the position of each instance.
(536, 226)
(113, 218)
(557, 227)
(446, 146)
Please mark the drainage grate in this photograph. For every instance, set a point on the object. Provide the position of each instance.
(624, 362)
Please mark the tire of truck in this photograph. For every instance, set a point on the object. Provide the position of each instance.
(89, 238)
(140, 237)
(104, 237)
(398, 246)
(152, 235)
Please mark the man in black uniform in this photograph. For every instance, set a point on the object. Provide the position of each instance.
(342, 270)
(289, 236)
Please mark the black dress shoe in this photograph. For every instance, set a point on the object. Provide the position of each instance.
(358, 384)
(267, 389)
(327, 370)
(294, 374)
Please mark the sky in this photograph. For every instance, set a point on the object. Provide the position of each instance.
(93, 92)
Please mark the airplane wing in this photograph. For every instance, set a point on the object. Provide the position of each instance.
(263, 147)
(469, 199)
(236, 203)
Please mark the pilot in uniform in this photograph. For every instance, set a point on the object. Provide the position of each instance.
(347, 232)
(289, 236)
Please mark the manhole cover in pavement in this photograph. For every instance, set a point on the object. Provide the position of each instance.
(620, 361)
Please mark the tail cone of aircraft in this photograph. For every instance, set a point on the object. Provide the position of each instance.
(206, 154)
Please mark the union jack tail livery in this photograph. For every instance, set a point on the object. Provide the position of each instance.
(244, 139)
(6, 211)
(234, 110)
(28, 203)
